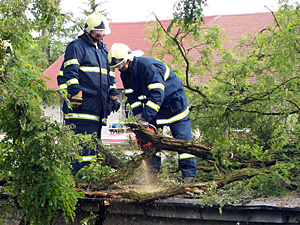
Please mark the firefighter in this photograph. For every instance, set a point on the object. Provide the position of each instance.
(62, 84)
(90, 83)
(156, 96)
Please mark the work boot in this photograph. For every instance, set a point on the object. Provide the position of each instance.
(187, 180)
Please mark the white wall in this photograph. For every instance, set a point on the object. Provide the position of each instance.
(55, 113)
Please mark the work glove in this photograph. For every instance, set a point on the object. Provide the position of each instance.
(141, 120)
(116, 104)
(76, 100)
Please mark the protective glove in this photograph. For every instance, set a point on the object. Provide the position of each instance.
(76, 100)
(141, 120)
(116, 104)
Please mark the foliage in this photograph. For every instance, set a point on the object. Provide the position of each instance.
(188, 15)
(46, 14)
(94, 172)
(249, 112)
(95, 6)
(36, 153)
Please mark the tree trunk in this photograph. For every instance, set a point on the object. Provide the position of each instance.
(170, 144)
(46, 32)
(109, 158)
(184, 188)
(124, 172)
(179, 189)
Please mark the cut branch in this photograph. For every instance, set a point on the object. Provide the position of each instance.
(158, 143)
(182, 189)
(170, 144)
(124, 172)
(109, 158)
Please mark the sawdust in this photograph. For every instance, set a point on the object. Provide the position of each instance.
(147, 180)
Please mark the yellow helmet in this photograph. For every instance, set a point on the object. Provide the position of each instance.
(97, 22)
(119, 54)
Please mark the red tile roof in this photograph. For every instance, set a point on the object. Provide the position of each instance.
(52, 73)
(236, 26)
(133, 35)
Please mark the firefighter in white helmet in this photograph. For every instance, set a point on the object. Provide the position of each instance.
(156, 96)
(90, 83)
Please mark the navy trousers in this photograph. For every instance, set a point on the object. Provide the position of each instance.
(186, 162)
(86, 154)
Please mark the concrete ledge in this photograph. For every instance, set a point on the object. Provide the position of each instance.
(182, 211)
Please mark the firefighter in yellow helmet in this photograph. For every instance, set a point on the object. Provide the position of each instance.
(98, 23)
(90, 83)
(157, 97)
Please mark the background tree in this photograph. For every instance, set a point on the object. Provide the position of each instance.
(241, 121)
(49, 20)
(36, 153)
(95, 6)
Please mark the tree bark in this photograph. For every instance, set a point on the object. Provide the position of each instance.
(184, 188)
(179, 189)
(124, 172)
(109, 158)
(170, 144)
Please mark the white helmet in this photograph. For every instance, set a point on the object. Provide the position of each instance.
(97, 22)
(119, 54)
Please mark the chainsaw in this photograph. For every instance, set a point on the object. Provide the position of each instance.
(142, 144)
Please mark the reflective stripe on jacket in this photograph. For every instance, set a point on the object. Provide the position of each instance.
(155, 91)
(86, 69)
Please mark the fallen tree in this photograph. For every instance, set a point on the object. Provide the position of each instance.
(159, 142)
(176, 190)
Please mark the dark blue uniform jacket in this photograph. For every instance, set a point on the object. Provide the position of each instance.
(86, 69)
(155, 91)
